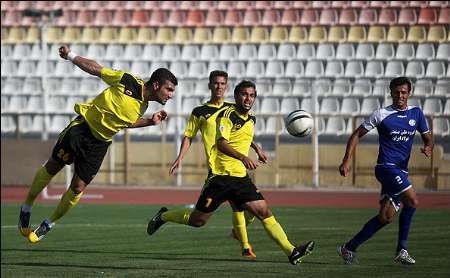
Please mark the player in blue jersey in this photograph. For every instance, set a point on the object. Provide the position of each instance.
(396, 125)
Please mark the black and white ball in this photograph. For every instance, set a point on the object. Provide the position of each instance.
(299, 123)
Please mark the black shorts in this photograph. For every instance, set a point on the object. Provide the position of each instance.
(77, 144)
(219, 189)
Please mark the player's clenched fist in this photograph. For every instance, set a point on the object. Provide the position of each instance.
(63, 51)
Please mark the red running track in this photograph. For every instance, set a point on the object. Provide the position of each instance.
(177, 196)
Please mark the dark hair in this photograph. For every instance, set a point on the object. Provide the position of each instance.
(398, 81)
(216, 73)
(244, 84)
(161, 75)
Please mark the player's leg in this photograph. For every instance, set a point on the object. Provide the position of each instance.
(260, 209)
(239, 231)
(409, 200)
(41, 179)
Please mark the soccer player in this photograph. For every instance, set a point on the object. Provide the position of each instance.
(230, 180)
(86, 139)
(396, 126)
(203, 118)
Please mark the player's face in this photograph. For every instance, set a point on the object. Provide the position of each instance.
(400, 96)
(218, 87)
(164, 92)
(245, 99)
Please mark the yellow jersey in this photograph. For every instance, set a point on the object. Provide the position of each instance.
(117, 107)
(238, 130)
(203, 118)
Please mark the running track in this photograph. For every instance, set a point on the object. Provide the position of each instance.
(307, 198)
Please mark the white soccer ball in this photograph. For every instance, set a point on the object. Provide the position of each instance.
(299, 123)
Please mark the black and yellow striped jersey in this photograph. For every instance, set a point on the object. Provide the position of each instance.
(203, 118)
(117, 107)
(238, 130)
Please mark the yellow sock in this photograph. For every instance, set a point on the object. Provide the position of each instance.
(249, 217)
(68, 201)
(276, 232)
(180, 216)
(240, 229)
(41, 180)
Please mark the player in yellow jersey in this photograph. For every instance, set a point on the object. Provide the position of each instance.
(203, 118)
(230, 180)
(86, 139)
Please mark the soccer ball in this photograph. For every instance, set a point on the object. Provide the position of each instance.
(299, 123)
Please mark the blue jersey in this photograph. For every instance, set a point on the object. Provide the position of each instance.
(396, 129)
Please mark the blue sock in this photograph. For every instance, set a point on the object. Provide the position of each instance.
(403, 227)
(370, 228)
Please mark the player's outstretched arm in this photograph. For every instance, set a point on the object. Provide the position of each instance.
(156, 119)
(87, 65)
(185, 144)
(260, 152)
(428, 144)
(224, 147)
(353, 141)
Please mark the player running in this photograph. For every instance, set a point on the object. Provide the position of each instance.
(230, 180)
(396, 126)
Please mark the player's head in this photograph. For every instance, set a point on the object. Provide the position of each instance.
(400, 88)
(218, 83)
(245, 95)
(162, 84)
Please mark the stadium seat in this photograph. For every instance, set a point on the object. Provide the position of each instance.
(164, 35)
(9, 68)
(120, 65)
(385, 51)
(269, 105)
(298, 34)
(177, 18)
(17, 103)
(26, 68)
(301, 87)
(145, 35)
(309, 17)
(171, 52)
(354, 68)
(325, 51)
(90, 35)
(415, 69)
(221, 35)
(236, 69)
(233, 17)
(345, 51)
(190, 52)
(423, 87)
(279, 34)
(380, 87)
(374, 69)
(405, 51)
(376, 34)
(407, 16)
(96, 51)
(201, 87)
(294, 69)
(16, 35)
(259, 35)
(341, 87)
(437, 33)
(396, 34)
(289, 104)
(417, 34)
(425, 51)
(189, 103)
(32, 85)
(282, 86)
(113, 51)
(195, 18)
(286, 51)
(328, 16)
(369, 105)
(357, 34)
(428, 15)
(350, 105)
(365, 51)
(274, 68)
(306, 51)
(335, 126)
(441, 127)
(270, 17)
(447, 107)
(252, 17)
(228, 52)
(322, 86)
(337, 34)
(334, 68)
(248, 52)
(217, 65)
(214, 17)
(183, 35)
(330, 105)
(388, 16)
(307, 105)
(132, 52)
(394, 69)
(21, 51)
(208, 52)
(267, 51)
(435, 69)
(348, 16)
(240, 35)
(368, 16)
(290, 17)
(317, 34)
(432, 106)
(255, 69)
(444, 15)
(274, 125)
(202, 35)
(442, 87)
(179, 68)
(127, 35)
(314, 68)
(264, 86)
(198, 69)
(141, 69)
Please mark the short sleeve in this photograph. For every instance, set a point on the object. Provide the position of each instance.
(192, 126)
(373, 121)
(224, 126)
(422, 125)
(110, 76)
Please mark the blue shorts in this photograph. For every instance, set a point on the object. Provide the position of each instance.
(394, 182)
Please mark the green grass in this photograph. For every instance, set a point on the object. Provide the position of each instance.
(111, 241)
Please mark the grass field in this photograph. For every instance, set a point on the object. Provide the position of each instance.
(111, 241)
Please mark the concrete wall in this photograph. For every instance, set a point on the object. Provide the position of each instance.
(150, 162)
